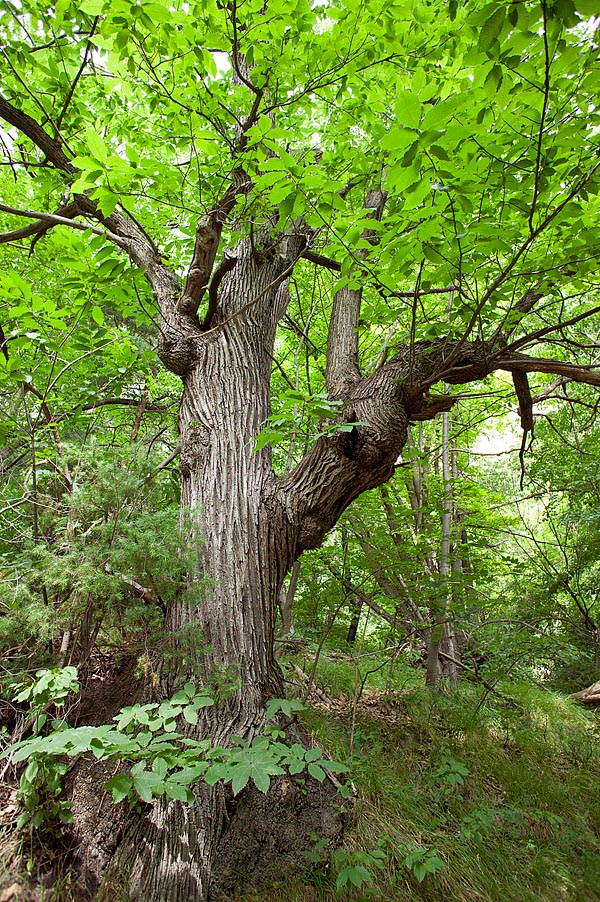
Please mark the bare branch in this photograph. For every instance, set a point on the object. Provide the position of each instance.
(538, 157)
(86, 59)
(508, 269)
(523, 393)
(208, 236)
(47, 220)
(521, 363)
(122, 229)
(225, 266)
(549, 391)
(540, 333)
(342, 341)
(320, 260)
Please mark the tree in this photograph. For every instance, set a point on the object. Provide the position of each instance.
(413, 155)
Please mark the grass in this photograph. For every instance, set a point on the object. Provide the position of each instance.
(504, 792)
(457, 796)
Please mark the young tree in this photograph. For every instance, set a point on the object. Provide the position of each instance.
(412, 150)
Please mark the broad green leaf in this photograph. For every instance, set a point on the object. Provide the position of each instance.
(240, 774)
(147, 785)
(96, 145)
(408, 109)
(120, 785)
(190, 714)
(316, 771)
(491, 28)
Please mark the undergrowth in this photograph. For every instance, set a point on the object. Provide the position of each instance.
(465, 796)
(458, 796)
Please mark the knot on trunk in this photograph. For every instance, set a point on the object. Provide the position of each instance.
(177, 345)
(194, 446)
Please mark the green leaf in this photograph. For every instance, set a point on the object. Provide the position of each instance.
(106, 200)
(408, 109)
(313, 754)
(261, 779)
(336, 767)
(241, 773)
(157, 12)
(317, 772)
(190, 714)
(120, 786)
(491, 28)
(159, 767)
(177, 792)
(93, 7)
(356, 876)
(217, 771)
(95, 145)
(147, 785)
(98, 315)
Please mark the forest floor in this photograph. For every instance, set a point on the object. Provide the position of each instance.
(466, 796)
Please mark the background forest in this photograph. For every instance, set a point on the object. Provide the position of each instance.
(432, 634)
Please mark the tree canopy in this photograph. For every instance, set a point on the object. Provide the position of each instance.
(297, 226)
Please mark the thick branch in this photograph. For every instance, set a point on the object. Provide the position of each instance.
(320, 260)
(521, 363)
(47, 220)
(176, 340)
(510, 266)
(225, 266)
(339, 467)
(523, 393)
(342, 341)
(208, 236)
(29, 127)
(67, 211)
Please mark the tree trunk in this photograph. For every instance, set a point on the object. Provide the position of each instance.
(245, 547)
(249, 527)
(447, 648)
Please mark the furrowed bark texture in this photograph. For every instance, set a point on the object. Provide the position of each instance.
(249, 526)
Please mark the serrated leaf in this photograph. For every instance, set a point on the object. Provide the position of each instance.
(157, 12)
(241, 773)
(74, 263)
(408, 109)
(95, 145)
(148, 784)
(179, 793)
(190, 714)
(216, 772)
(313, 754)
(120, 786)
(317, 772)
(92, 7)
(490, 30)
(336, 767)
(261, 779)
(159, 767)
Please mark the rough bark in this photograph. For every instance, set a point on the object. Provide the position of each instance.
(249, 526)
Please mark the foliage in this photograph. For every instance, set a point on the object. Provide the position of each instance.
(165, 761)
(479, 123)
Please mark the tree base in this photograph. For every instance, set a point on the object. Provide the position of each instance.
(263, 844)
(267, 836)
